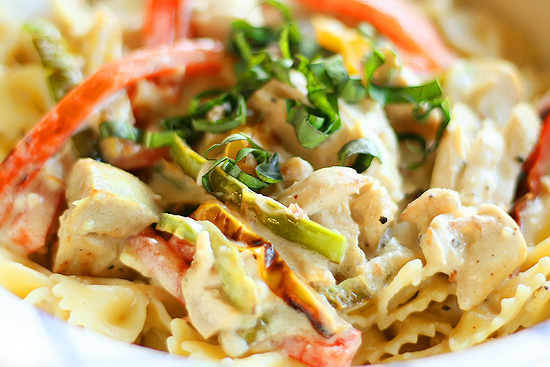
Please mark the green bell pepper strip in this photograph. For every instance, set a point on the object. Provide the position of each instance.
(63, 70)
(274, 215)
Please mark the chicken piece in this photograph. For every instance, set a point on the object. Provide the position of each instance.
(491, 87)
(373, 210)
(295, 169)
(106, 205)
(323, 188)
(429, 205)
(91, 254)
(477, 247)
(351, 203)
(106, 200)
(481, 159)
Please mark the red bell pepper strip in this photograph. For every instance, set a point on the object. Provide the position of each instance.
(536, 166)
(29, 227)
(55, 129)
(396, 19)
(159, 27)
(166, 21)
(165, 260)
(183, 20)
(538, 163)
(335, 352)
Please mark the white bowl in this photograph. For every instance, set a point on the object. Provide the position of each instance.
(33, 338)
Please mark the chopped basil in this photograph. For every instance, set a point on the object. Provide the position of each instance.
(372, 63)
(213, 111)
(183, 127)
(332, 73)
(259, 69)
(314, 124)
(289, 41)
(365, 150)
(285, 11)
(245, 38)
(267, 164)
(217, 111)
(425, 97)
(415, 142)
(311, 129)
(367, 30)
(413, 94)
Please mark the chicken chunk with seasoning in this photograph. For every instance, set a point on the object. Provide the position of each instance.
(106, 205)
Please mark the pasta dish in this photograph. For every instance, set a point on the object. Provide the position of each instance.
(297, 183)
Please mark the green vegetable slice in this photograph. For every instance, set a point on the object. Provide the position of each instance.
(348, 293)
(63, 70)
(271, 213)
(365, 149)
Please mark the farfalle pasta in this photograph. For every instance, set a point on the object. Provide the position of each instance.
(275, 183)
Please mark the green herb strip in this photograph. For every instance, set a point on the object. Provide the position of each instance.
(425, 97)
(365, 150)
(267, 168)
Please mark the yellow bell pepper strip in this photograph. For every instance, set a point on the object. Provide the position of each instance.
(399, 21)
(285, 284)
(272, 268)
(274, 215)
(336, 37)
(62, 68)
(56, 128)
